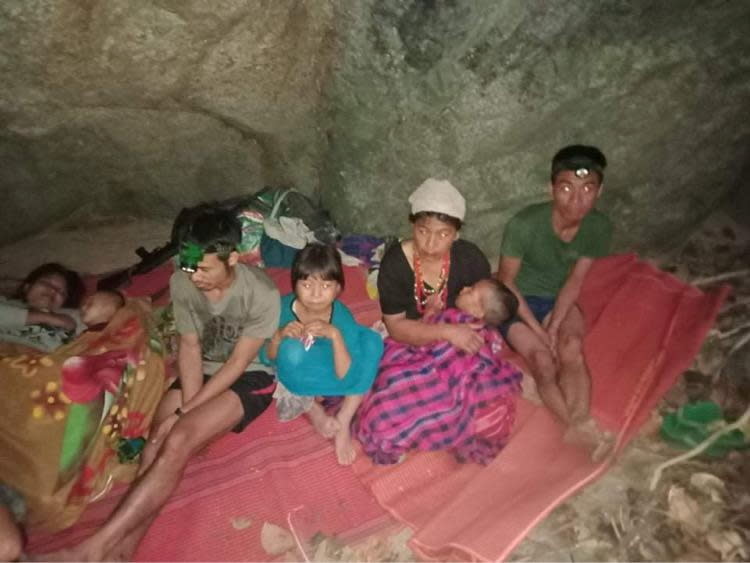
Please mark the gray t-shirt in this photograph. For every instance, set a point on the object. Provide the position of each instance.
(250, 308)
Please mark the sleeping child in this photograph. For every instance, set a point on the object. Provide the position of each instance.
(99, 308)
(438, 397)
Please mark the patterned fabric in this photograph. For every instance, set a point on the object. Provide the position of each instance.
(436, 397)
(67, 414)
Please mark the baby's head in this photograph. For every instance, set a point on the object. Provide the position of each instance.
(101, 306)
(489, 300)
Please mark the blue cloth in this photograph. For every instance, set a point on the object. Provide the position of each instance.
(540, 307)
(276, 254)
(312, 372)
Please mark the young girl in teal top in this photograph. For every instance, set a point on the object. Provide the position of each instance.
(320, 350)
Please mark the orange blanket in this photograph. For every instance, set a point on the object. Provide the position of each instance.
(62, 443)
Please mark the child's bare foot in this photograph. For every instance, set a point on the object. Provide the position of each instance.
(345, 452)
(327, 426)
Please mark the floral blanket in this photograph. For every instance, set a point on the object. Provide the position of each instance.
(73, 421)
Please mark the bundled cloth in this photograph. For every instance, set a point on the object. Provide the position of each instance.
(74, 419)
(437, 397)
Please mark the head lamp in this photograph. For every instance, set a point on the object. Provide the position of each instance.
(582, 172)
(190, 256)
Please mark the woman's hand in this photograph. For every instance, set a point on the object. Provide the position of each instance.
(322, 329)
(465, 336)
(58, 320)
(294, 329)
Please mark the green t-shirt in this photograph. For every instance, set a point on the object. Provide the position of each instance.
(546, 260)
(250, 308)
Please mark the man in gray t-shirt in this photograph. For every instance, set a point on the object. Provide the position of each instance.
(224, 311)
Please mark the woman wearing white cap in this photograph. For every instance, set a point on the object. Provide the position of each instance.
(427, 272)
(428, 397)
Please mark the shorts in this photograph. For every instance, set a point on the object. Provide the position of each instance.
(255, 390)
(14, 502)
(540, 307)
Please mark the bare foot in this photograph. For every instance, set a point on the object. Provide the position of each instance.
(588, 434)
(125, 550)
(327, 426)
(345, 452)
(71, 554)
(529, 391)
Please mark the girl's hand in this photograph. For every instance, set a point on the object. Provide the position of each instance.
(294, 329)
(465, 337)
(322, 329)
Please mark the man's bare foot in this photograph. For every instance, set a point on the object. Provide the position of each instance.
(124, 551)
(588, 434)
(70, 554)
(345, 452)
(327, 426)
(529, 390)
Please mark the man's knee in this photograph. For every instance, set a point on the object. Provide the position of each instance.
(570, 348)
(10, 549)
(178, 447)
(10, 542)
(543, 366)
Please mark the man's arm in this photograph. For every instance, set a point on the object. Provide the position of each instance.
(507, 271)
(245, 350)
(568, 295)
(190, 365)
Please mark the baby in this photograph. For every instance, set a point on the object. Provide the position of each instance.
(489, 301)
(99, 308)
(438, 396)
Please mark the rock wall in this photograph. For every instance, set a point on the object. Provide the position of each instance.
(144, 106)
(485, 92)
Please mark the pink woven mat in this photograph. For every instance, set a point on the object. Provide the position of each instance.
(281, 473)
(644, 329)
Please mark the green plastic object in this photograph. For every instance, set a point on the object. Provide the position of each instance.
(695, 422)
(79, 428)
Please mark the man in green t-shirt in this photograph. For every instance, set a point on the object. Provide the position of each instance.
(546, 251)
(224, 311)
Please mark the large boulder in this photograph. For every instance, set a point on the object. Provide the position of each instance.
(485, 92)
(143, 107)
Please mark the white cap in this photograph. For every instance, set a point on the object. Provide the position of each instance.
(438, 196)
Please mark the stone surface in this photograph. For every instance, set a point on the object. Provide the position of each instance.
(485, 92)
(144, 106)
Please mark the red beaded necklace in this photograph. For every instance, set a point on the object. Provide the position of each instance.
(422, 293)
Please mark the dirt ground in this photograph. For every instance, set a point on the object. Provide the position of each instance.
(699, 509)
